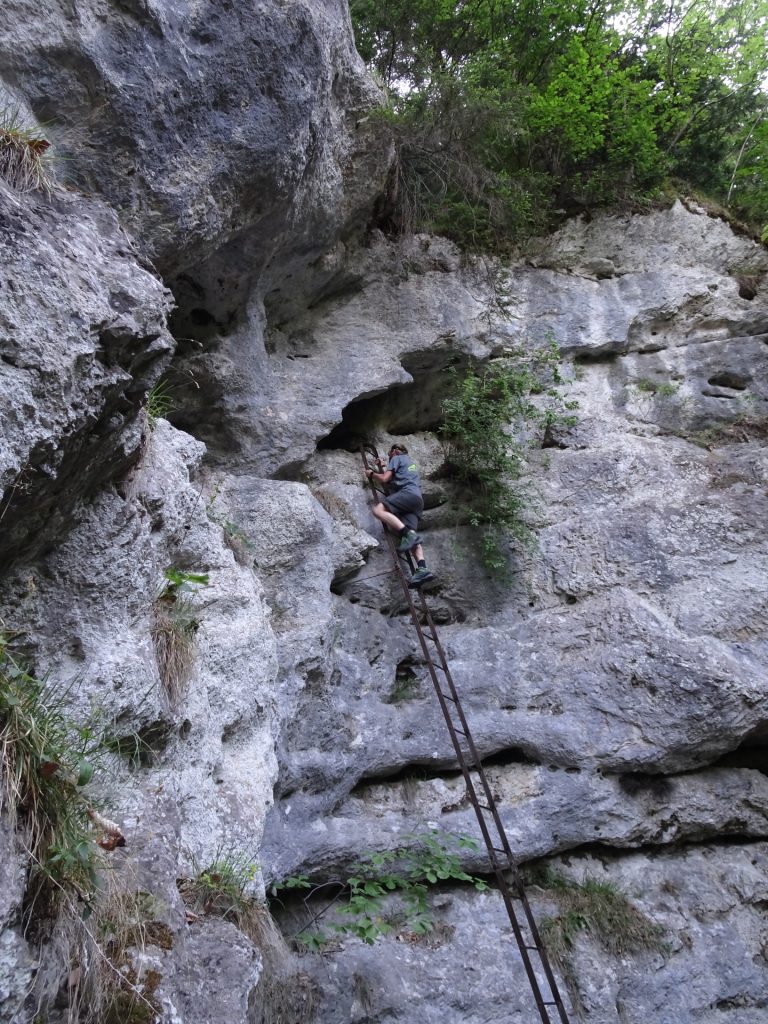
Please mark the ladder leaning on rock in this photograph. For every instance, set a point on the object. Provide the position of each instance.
(503, 864)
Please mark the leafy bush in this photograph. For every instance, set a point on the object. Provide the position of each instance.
(488, 417)
(506, 114)
(406, 873)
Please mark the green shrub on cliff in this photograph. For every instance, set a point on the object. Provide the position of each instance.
(490, 416)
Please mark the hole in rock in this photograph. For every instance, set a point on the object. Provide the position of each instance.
(201, 317)
(599, 356)
(752, 752)
(726, 379)
(747, 286)
(407, 685)
(399, 409)
(140, 748)
(508, 756)
(411, 773)
(637, 783)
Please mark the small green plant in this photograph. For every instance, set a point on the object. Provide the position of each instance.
(489, 417)
(175, 626)
(651, 387)
(160, 401)
(597, 909)
(223, 888)
(406, 873)
(46, 763)
(407, 686)
(236, 539)
(24, 156)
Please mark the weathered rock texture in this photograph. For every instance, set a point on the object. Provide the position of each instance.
(83, 336)
(616, 680)
(233, 138)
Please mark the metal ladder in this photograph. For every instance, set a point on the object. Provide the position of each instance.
(532, 951)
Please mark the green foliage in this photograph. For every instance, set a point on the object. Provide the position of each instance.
(160, 402)
(489, 416)
(46, 761)
(24, 157)
(504, 110)
(664, 389)
(236, 539)
(406, 874)
(180, 582)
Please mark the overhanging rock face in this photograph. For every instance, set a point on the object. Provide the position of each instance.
(82, 340)
(232, 138)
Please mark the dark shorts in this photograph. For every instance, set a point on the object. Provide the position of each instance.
(406, 505)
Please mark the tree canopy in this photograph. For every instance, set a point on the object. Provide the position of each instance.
(506, 110)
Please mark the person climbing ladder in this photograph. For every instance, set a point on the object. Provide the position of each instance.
(401, 508)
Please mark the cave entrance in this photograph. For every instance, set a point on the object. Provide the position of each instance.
(403, 408)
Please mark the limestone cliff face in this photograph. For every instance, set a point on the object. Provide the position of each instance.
(617, 682)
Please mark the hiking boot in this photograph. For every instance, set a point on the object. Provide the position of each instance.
(408, 540)
(420, 577)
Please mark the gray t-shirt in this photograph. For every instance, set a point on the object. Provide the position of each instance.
(405, 475)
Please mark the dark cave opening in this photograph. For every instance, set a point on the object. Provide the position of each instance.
(401, 409)
(752, 752)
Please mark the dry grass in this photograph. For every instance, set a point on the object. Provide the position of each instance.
(284, 994)
(24, 158)
(174, 632)
(336, 507)
(598, 910)
(101, 958)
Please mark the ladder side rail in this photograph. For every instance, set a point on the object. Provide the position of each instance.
(513, 865)
(498, 870)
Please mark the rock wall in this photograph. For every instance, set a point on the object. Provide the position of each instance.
(615, 680)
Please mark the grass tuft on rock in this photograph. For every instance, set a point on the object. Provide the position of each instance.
(44, 768)
(24, 157)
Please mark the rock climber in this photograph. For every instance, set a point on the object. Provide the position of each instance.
(402, 507)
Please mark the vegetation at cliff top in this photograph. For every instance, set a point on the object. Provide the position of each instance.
(505, 112)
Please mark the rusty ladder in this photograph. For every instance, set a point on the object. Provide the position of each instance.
(503, 863)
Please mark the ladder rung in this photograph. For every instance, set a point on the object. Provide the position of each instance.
(445, 695)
